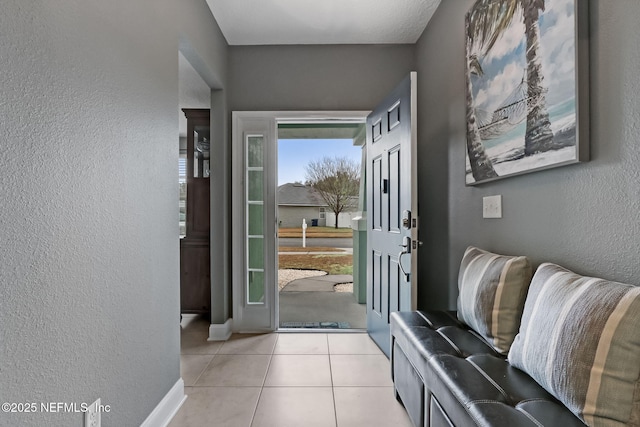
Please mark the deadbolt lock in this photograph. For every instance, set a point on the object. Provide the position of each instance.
(406, 219)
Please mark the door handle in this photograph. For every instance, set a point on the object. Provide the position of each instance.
(406, 249)
(407, 276)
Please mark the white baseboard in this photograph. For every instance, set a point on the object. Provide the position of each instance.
(167, 408)
(220, 332)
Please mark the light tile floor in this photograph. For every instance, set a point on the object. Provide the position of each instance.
(285, 379)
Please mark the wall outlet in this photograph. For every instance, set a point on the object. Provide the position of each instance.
(92, 416)
(492, 207)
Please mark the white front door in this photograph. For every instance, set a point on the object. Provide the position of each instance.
(392, 209)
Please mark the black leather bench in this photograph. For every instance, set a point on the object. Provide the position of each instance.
(447, 375)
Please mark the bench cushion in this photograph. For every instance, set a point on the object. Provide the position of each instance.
(492, 289)
(580, 339)
(470, 382)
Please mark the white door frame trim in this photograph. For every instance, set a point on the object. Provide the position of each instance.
(274, 118)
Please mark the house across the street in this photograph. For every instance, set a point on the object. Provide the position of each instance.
(298, 201)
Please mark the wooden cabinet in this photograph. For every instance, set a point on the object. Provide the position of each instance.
(195, 256)
(195, 281)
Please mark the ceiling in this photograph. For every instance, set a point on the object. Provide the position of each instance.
(278, 22)
(283, 22)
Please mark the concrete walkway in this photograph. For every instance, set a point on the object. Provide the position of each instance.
(317, 283)
(313, 300)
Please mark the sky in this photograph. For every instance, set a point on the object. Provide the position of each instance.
(295, 154)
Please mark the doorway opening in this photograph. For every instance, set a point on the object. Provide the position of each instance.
(194, 196)
(319, 198)
(256, 305)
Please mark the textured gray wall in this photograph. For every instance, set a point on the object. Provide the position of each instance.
(204, 46)
(201, 40)
(89, 295)
(440, 121)
(315, 77)
(585, 216)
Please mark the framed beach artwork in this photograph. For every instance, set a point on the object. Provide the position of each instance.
(526, 86)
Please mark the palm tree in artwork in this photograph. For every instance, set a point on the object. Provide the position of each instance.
(481, 166)
(538, 136)
(487, 21)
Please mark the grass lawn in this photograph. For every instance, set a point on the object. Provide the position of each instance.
(316, 232)
(332, 264)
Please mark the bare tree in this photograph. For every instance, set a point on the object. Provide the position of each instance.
(337, 180)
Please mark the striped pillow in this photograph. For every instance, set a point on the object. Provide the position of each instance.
(580, 339)
(491, 293)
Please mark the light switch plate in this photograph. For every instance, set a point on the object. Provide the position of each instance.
(492, 206)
